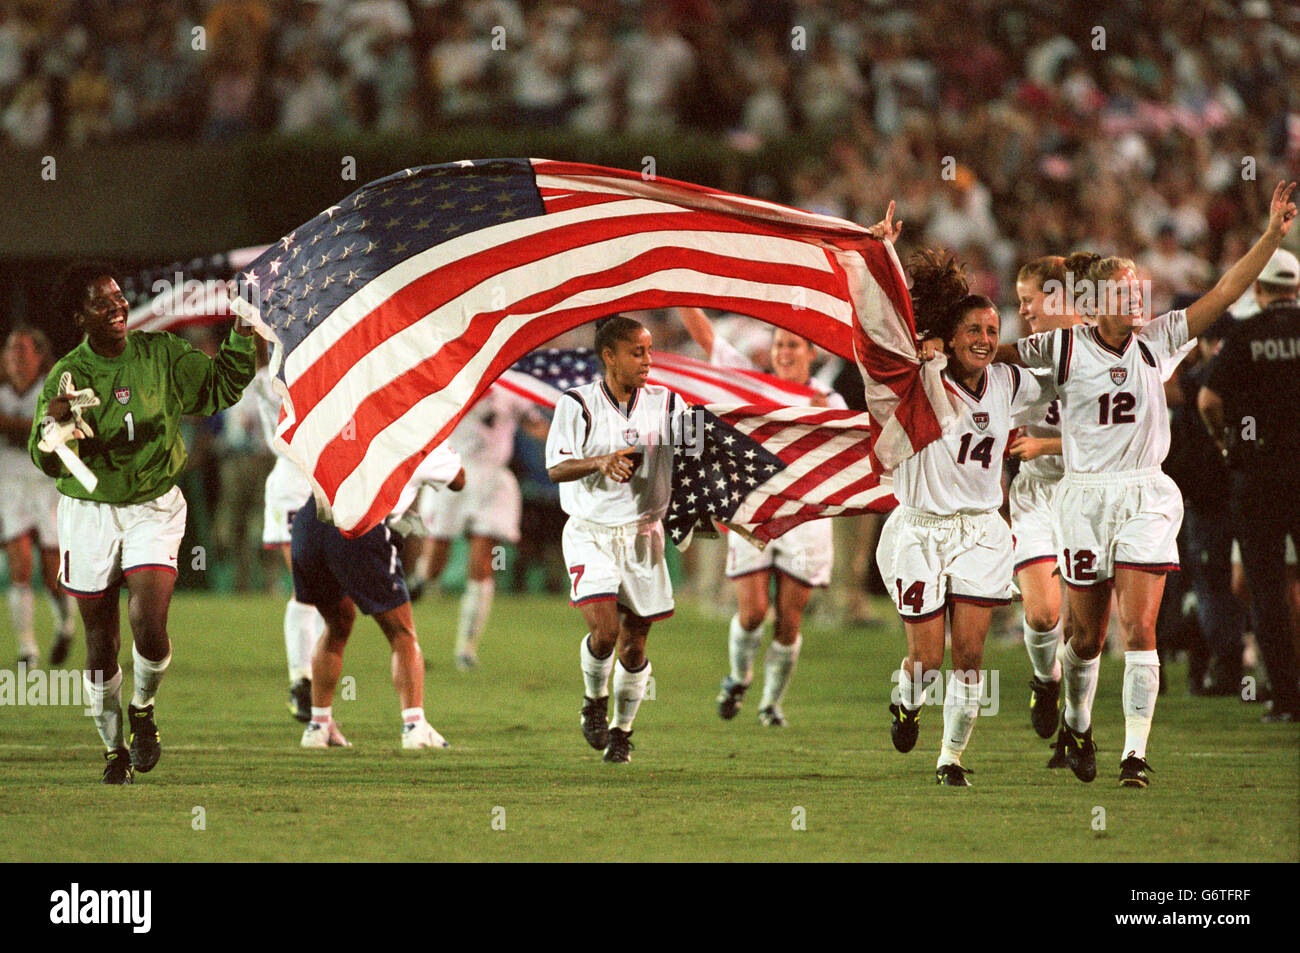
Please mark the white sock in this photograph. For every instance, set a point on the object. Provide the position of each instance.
(20, 614)
(961, 706)
(1141, 689)
(1080, 681)
(911, 694)
(106, 702)
(1042, 652)
(743, 644)
(595, 671)
(475, 605)
(303, 625)
(778, 669)
(65, 623)
(148, 675)
(411, 716)
(629, 689)
(322, 716)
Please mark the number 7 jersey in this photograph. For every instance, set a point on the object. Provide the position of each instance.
(961, 472)
(1114, 417)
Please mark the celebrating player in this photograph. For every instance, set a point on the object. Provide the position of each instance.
(1118, 514)
(120, 413)
(609, 450)
(487, 511)
(29, 499)
(338, 576)
(945, 552)
(1040, 290)
(801, 558)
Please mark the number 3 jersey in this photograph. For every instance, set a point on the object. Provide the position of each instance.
(961, 472)
(1113, 412)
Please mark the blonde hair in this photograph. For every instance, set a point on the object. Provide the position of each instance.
(1087, 272)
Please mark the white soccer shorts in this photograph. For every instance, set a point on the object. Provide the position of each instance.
(1033, 520)
(1109, 521)
(926, 561)
(101, 543)
(624, 564)
(287, 491)
(805, 554)
(490, 505)
(30, 502)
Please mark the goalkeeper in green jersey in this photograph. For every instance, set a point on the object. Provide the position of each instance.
(116, 401)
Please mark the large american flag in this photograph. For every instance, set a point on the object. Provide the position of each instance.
(396, 308)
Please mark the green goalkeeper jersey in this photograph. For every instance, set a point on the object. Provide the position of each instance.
(137, 451)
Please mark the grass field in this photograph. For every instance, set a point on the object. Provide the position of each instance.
(1225, 787)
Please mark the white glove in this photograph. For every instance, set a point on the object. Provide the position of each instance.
(80, 400)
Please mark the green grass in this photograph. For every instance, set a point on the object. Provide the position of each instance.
(1225, 787)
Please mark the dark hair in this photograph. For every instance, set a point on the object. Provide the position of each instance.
(70, 286)
(941, 295)
(611, 330)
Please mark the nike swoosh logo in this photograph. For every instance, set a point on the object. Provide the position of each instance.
(566, 453)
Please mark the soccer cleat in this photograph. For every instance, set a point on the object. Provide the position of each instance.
(620, 746)
(421, 734)
(952, 775)
(1133, 772)
(324, 735)
(1043, 698)
(1057, 760)
(772, 717)
(905, 727)
(59, 651)
(300, 700)
(117, 769)
(729, 698)
(1081, 753)
(145, 747)
(595, 722)
(465, 661)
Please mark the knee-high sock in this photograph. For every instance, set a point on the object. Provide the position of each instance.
(911, 693)
(778, 669)
(1042, 652)
(475, 605)
(1079, 677)
(148, 675)
(961, 706)
(20, 614)
(743, 644)
(303, 625)
(595, 671)
(629, 689)
(106, 707)
(65, 622)
(1141, 689)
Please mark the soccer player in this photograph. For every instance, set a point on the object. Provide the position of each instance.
(945, 552)
(128, 530)
(287, 491)
(1117, 513)
(29, 499)
(609, 449)
(338, 576)
(1044, 305)
(801, 558)
(487, 512)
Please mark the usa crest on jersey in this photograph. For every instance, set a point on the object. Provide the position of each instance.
(123, 394)
(981, 419)
(1119, 375)
(631, 435)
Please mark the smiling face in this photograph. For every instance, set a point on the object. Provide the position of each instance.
(1120, 302)
(102, 315)
(629, 361)
(792, 357)
(1039, 310)
(975, 341)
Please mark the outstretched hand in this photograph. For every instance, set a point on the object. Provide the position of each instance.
(1281, 211)
(887, 229)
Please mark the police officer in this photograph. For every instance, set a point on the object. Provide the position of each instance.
(1249, 403)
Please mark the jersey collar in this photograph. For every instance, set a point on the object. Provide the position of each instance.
(1123, 348)
(979, 392)
(631, 400)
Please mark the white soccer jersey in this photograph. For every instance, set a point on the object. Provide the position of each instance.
(13, 457)
(590, 423)
(961, 472)
(1050, 466)
(1113, 411)
(485, 436)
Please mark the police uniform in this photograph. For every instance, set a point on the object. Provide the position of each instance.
(1257, 375)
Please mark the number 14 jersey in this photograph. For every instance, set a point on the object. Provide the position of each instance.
(1113, 412)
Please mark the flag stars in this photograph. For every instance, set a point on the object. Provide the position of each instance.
(422, 224)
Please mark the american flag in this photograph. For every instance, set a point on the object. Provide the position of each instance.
(186, 293)
(396, 308)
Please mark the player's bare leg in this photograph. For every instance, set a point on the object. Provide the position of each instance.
(1086, 621)
(919, 669)
(408, 676)
(970, 627)
(326, 669)
(783, 654)
(596, 656)
(434, 560)
(149, 597)
(1040, 589)
(631, 676)
(746, 631)
(476, 603)
(1139, 594)
(18, 551)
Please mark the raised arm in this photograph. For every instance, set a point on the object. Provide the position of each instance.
(699, 327)
(1202, 312)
